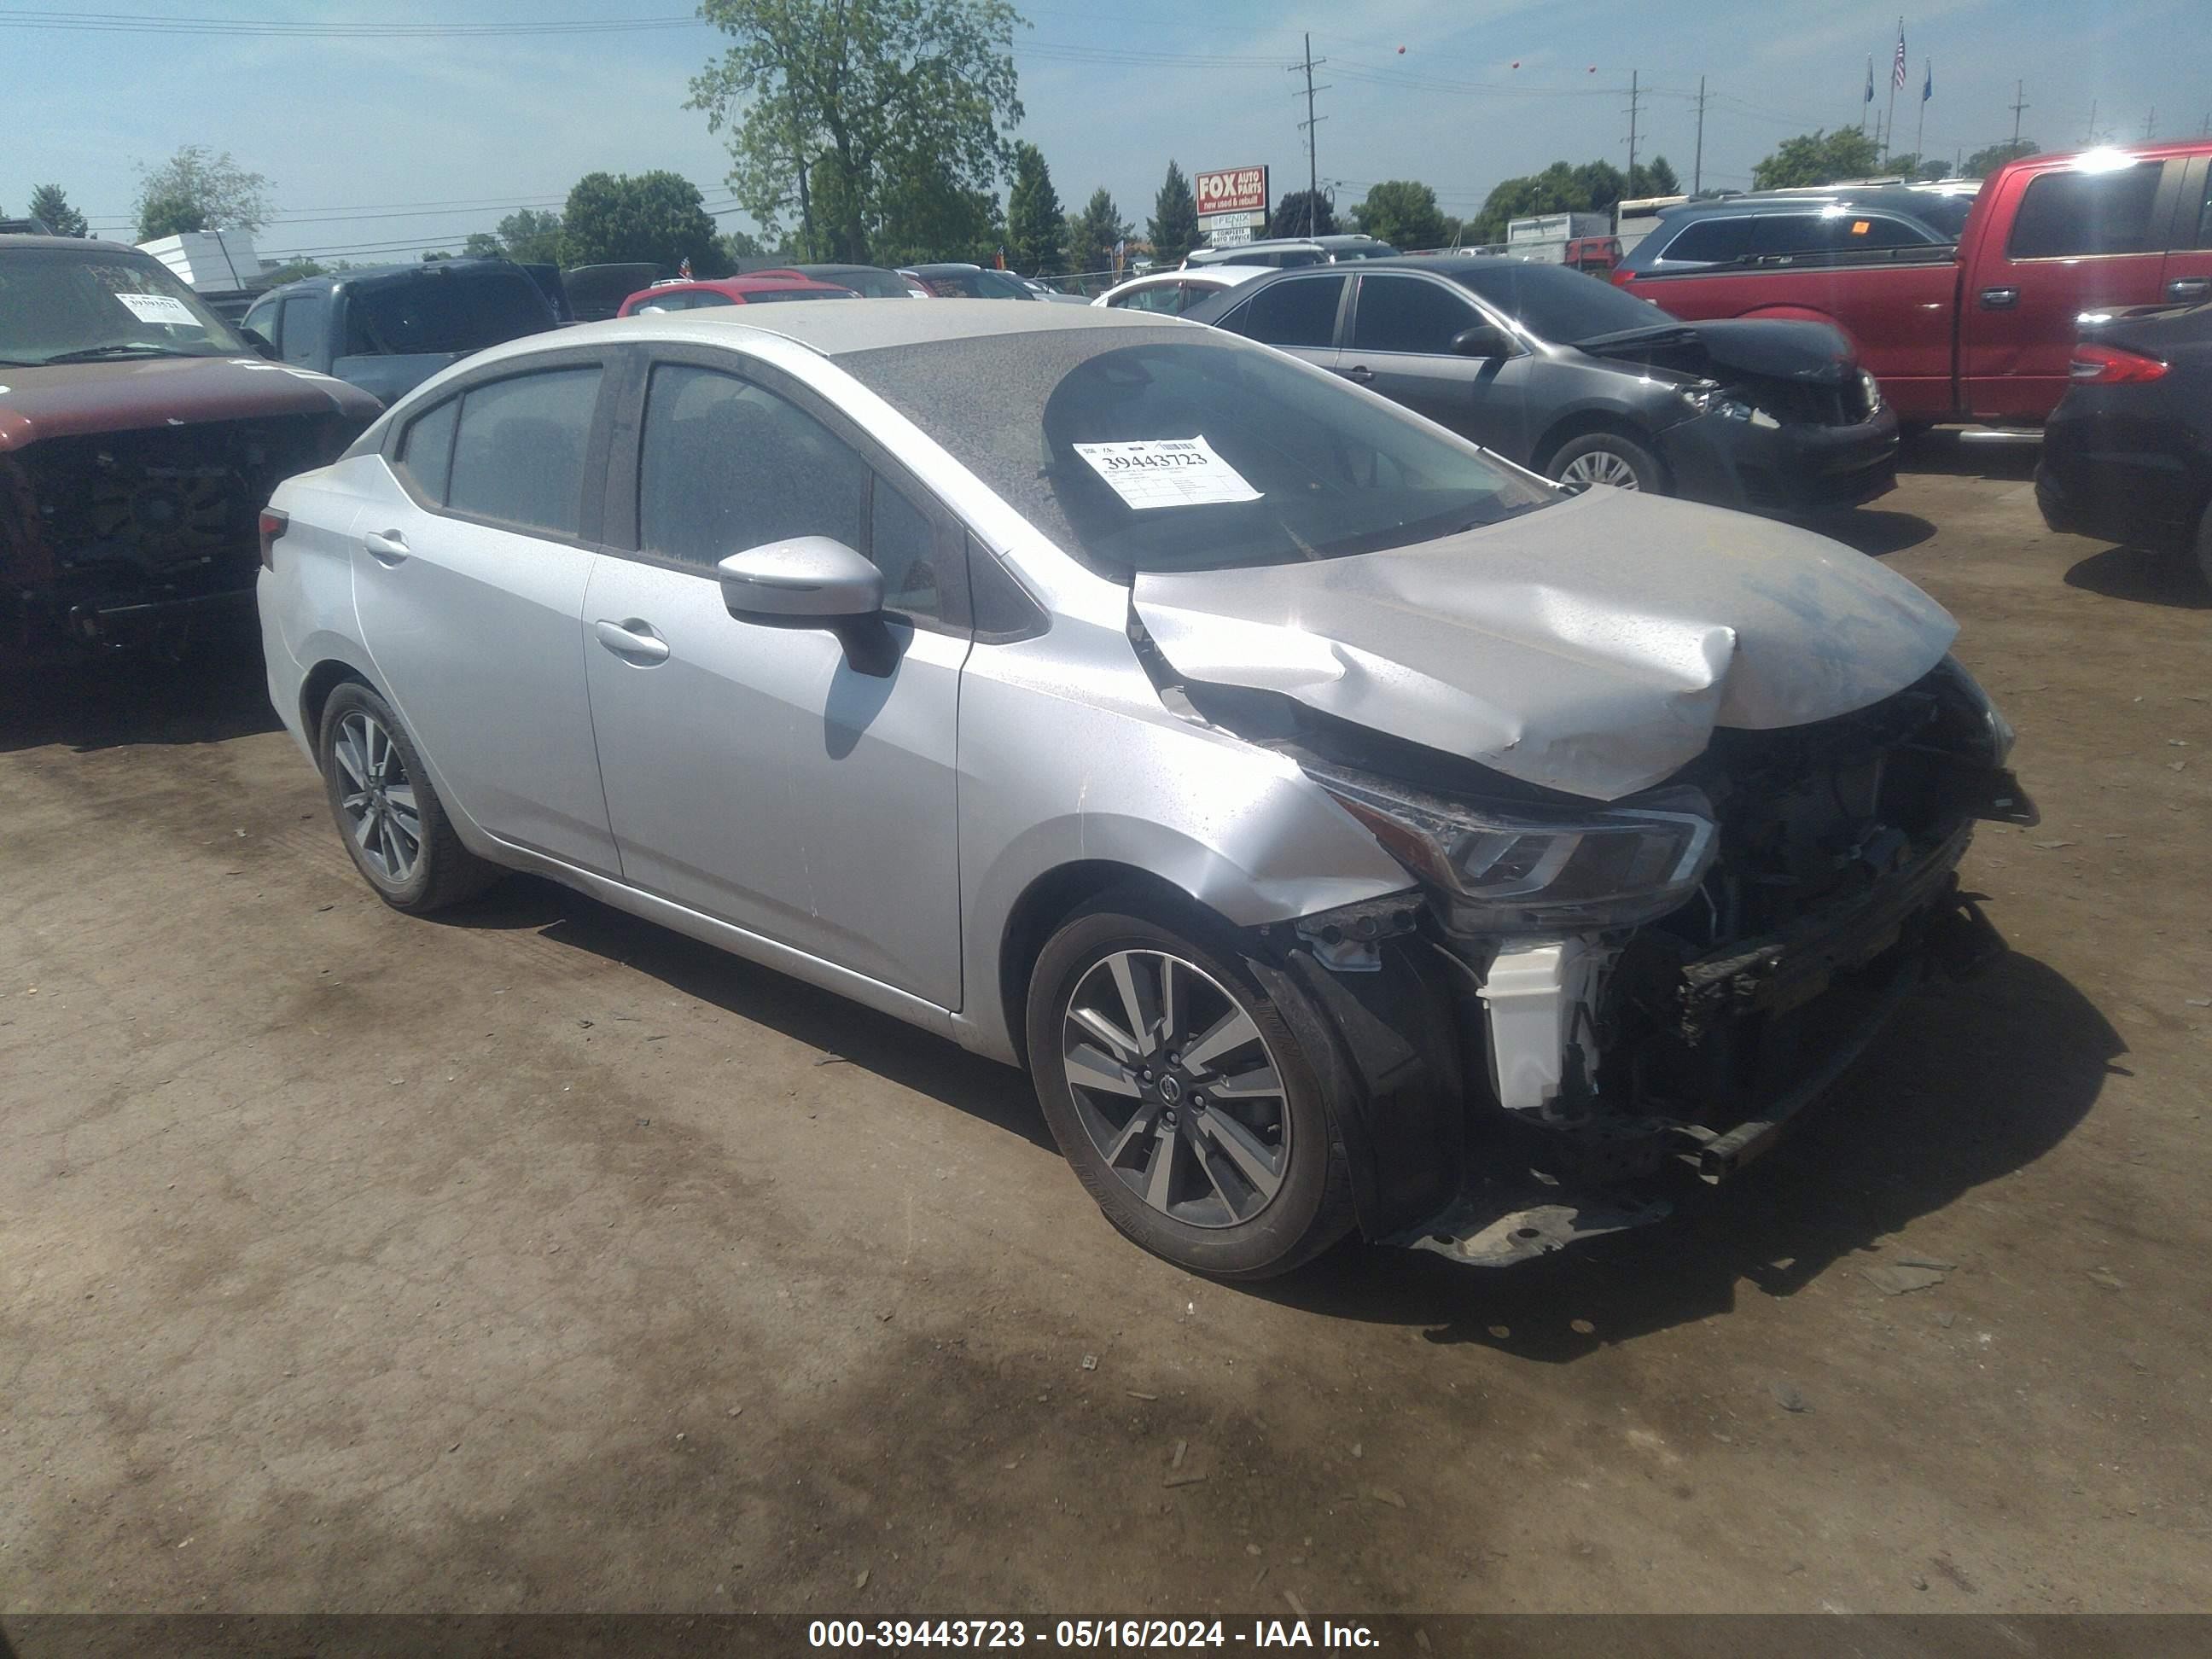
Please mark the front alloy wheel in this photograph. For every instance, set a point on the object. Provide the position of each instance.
(1600, 466)
(1176, 1088)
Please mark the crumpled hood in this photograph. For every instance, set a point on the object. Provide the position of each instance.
(74, 399)
(1591, 646)
(1772, 348)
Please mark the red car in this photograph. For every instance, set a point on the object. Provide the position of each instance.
(1978, 330)
(754, 288)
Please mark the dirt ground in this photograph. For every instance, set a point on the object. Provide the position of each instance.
(536, 1258)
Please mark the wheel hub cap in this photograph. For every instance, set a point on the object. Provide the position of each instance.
(1176, 1088)
(377, 797)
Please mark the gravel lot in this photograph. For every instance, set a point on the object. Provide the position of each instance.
(535, 1259)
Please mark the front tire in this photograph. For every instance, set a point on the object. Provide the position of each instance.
(1607, 457)
(1179, 1094)
(394, 826)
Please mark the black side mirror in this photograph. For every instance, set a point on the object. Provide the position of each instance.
(254, 337)
(1483, 340)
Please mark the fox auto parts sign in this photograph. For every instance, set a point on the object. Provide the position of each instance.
(1239, 190)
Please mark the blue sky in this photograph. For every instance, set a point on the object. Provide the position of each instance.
(377, 147)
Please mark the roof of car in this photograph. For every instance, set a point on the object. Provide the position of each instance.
(834, 331)
(1889, 198)
(19, 240)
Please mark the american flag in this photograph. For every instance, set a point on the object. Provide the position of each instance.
(684, 271)
(1897, 63)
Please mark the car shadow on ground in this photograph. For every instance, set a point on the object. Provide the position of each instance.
(1872, 531)
(2145, 577)
(1970, 1083)
(216, 692)
(845, 1031)
(1973, 453)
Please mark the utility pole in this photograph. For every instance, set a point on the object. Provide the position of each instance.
(1697, 167)
(1313, 170)
(2019, 103)
(1630, 183)
(2091, 138)
(2151, 124)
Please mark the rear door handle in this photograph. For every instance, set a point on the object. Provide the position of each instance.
(632, 640)
(2189, 288)
(386, 546)
(1360, 372)
(2000, 299)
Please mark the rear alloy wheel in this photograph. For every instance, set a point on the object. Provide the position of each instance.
(1183, 1100)
(395, 827)
(1607, 457)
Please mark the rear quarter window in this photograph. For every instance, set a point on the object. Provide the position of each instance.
(1710, 241)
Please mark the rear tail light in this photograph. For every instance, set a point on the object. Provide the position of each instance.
(2104, 365)
(273, 526)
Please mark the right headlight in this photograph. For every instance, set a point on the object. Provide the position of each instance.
(1518, 871)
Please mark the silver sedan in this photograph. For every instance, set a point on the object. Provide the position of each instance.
(1348, 829)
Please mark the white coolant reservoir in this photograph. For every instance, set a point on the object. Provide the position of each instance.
(1537, 997)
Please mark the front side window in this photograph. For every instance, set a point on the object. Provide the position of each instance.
(729, 466)
(305, 318)
(1300, 312)
(1409, 313)
(1710, 241)
(1169, 453)
(70, 305)
(2067, 215)
(520, 450)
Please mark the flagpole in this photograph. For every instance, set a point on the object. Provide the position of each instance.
(1869, 99)
(1920, 126)
(1889, 142)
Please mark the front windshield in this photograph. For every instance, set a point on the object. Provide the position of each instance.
(1554, 303)
(62, 305)
(1145, 449)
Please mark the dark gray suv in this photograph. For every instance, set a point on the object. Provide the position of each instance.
(1828, 221)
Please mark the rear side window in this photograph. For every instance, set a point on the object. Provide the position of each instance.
(1301, 313)
(1406, 313)
(1710, 242)
(520, 450)
(1831, 233)
(2065, 215)
(426, 451)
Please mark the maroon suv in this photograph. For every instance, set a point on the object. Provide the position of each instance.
(140, 437)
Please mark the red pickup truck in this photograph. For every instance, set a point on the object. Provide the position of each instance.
(1981, 329)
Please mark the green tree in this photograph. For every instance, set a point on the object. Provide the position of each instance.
(430, 254)
(198, 189)
(53, 209)
(908, 101)
(655, 216)
(1092, 233)
(293, 271)
(1402, 213)
(1817, 158)
(1173, 226)
(1652, 178)
(532, 237)
(738, 246)
(1983, 162)
(1292, 217)
(1035, 225)
(483, 245)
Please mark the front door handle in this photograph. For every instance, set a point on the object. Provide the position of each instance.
(386, 547)
(1360, 372)
(633, 640)
(2189, 288)
(2000, 299)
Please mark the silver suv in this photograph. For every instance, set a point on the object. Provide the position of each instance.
(1346, 828)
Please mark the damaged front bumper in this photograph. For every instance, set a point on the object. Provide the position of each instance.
(1792, 466)
(1568, 1137)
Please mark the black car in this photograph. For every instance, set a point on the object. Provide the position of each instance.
(2127, 455)
(1895, 219)
(952, 281)
(1578, 380)
(869, 282)
(388, 329)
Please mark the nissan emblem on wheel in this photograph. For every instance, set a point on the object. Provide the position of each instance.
(1347, 829)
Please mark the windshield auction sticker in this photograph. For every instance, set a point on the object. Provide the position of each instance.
(159, 308)
(1167, 472)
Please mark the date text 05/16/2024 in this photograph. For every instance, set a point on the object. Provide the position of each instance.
(1087, 1633)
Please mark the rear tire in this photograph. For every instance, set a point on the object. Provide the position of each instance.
(394, 826)
(1206, 1137)
(1607, 457)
